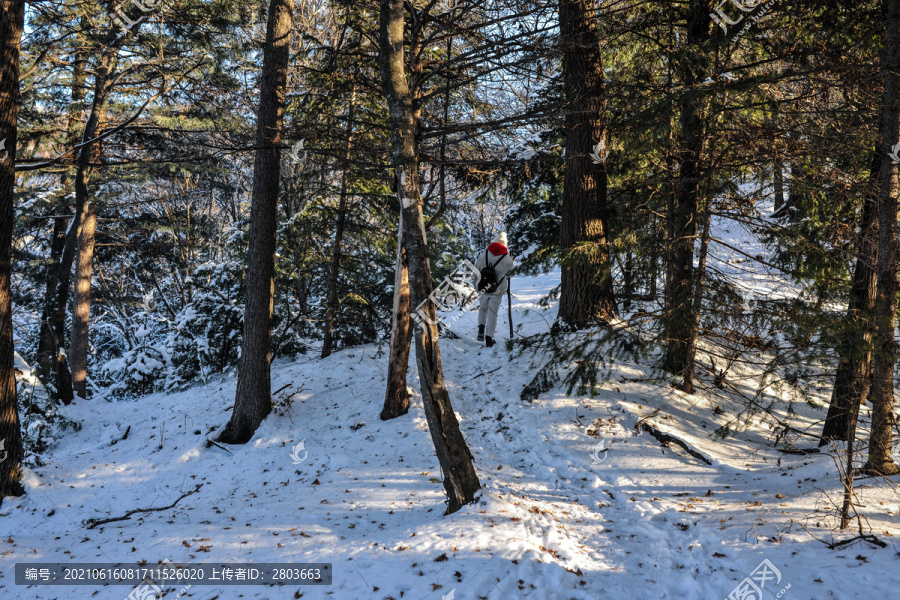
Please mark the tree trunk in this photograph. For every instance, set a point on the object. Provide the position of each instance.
(87, 154)
(778, 182)
(49, 358)
(881, 459)
(460, 479)
(78, 351)
(12, 20)
(692, 67)
(48, 354)
(587, 287)
(332, 301)
(671, 186)
(628, 277)
(253, 397)
(396, 398)
(851, 382)
(687, 385)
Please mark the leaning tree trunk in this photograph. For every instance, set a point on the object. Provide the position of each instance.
(12, 20)
(881, 460)
(332, 301)
(692, 67)
(586, 283)
(460, 479)
(851, 382)
(396, 397)
(78, 350)
(253, 397)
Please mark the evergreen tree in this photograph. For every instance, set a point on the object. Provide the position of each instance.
(12, 19)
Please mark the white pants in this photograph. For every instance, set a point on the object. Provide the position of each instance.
(487, 313)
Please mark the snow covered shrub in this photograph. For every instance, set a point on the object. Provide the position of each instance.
(159, 349)
(138, 360)
(41, 421)
(205, 336)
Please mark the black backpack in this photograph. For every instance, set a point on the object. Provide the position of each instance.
(489, 282)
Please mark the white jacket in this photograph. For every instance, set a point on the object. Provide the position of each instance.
(501, 268)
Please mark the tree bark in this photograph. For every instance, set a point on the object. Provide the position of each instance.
(460, 479)
(332, 300)
(851, 382)
(49, 358)
(253, 397)
(396, 398)
(78, 350)
(586, 283)
(12, 21)
(48, 355)
(687, 385)
(692, 68)
(87, 154)
(671, 183)
(881, 459)
(778, 182)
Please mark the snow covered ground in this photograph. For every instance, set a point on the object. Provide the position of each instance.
(563, 514)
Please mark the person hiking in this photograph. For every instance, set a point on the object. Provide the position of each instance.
(494, 265)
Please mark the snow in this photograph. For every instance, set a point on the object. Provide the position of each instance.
(563, 514)
(24, 372)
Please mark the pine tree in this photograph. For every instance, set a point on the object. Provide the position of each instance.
(880, 460)
(587, 286)
(692, 66)
(460, 480)
(12, 21)
(79, 346)
(253, 397)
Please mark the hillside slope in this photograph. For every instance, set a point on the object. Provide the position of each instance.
(563, 514)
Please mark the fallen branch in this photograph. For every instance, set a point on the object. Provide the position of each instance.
(865, 537)
(211, 442)
(799, 450)
(284, 387)
(480, 374)
(91, 523)
(665, 439)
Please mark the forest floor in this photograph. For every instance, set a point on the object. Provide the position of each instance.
(576, 503)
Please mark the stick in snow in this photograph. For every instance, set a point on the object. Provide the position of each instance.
(91, 523)
(124, 437)
(799, 450)
(665, 438)
(211, 442)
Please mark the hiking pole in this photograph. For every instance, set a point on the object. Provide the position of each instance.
(509, 305)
